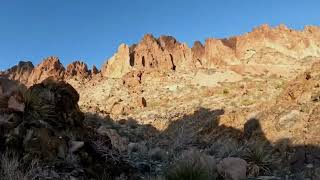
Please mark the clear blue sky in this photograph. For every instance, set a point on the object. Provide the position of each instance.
(91, 30)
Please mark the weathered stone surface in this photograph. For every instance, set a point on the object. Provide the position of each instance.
(15, 103)
(63, 99)
(233, 168)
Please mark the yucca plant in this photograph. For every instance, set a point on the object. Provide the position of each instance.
(259, 158)
(38, 105)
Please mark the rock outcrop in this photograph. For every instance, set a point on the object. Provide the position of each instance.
(119, 64)
(50, 128)
(166, 53)
(20, 72)
(50, 67)
(263, 46)
(77, 69)
(29, 75)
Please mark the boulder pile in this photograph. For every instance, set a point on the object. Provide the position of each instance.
(44, 123)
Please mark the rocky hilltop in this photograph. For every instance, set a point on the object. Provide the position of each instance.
(263, 46)
(166, 53)
(246, 107)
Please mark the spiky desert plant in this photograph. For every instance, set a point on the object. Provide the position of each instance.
(38, 105)
(259, 157)
(192, 165)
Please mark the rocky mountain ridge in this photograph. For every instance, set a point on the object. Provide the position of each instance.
(167, 54)
(247, 107)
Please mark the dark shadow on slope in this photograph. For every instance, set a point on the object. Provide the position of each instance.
(202, 129)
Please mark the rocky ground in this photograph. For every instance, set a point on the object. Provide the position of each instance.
(239, 108)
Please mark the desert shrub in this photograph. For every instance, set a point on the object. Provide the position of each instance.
(247, 102)
(259, 157)
(10, 167)
(225, 91)
(223, 148)
(192, 165)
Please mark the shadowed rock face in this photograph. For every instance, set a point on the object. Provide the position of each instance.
(50, 128)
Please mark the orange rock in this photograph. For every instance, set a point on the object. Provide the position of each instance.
(78, 69)
(50, 67)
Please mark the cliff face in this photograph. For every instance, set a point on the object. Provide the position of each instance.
(166, 53)
(264, 45)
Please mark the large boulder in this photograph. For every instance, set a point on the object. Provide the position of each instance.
(232, 168)
(11, 95)
(61, 101)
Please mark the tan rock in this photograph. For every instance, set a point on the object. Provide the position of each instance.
(141, 102)
(15, 104)
(119, 64)
(117, 109)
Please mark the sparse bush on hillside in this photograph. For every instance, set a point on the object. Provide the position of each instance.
(225, 91)
(192, 165)
(225, 148)
(247, 102)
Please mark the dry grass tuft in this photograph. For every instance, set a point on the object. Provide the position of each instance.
(192, 165)
(11, 168)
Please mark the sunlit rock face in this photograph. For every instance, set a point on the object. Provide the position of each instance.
(166, 53)
(50, 67)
